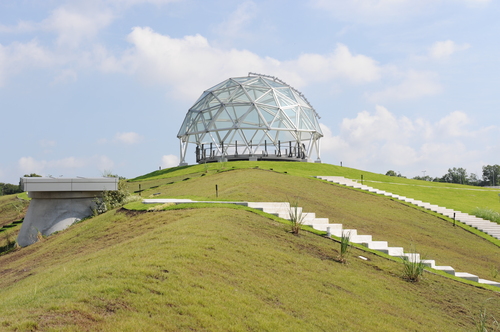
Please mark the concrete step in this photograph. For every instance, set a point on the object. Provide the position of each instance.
(447, 269)
(429, 263)
(376, 245)
(392, 251)
(323, 227)
(467, 276)
(412, 257)
(339, 233)
(361, 239)
(271, 205)
(489, 282)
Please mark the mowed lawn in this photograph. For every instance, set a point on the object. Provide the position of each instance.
(218, 269)
(387, 220)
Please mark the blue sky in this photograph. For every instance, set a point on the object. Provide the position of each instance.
(94, 86)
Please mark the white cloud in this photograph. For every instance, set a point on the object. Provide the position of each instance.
(380, 141)
(74, 26)
(415, 84)
(190, 64)
(238, 20)
(21, 27)
(19, 56)
(339, 64)
(443, 49)
(169, 161)
(128, 138)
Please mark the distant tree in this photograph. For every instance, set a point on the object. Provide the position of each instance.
(393, 173)
(456, 175)
(424, 178)
(491, 175)
(32, 175)
(474, 180)
(9, 189)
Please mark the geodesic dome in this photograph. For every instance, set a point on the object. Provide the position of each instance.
(257, 117)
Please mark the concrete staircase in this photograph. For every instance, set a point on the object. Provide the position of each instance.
(486, 226)
(282, 210)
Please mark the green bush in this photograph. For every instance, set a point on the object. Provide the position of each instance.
(487, 214)
(344, 247)
(296, 216)
(413, 269)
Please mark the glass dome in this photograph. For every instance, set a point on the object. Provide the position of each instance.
(256, 117)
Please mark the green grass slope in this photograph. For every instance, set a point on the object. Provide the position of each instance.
(218, 269)
(12, 209)
(226, 269)
(387, 220)
(454, 196)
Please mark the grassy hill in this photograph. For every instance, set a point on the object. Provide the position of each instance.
(222, 268)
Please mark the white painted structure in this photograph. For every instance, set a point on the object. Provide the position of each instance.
(57, 203)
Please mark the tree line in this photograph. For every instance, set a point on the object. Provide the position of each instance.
(10, 189)
(490, 176)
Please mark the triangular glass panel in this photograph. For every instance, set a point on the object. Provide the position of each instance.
(284, 102)
(292, 114)
(275, 84)
(243, 79)
(241, 110)
(193, 122)
(218, 86)
(268, 99)
(240, 96)
(224, 116)
(305, 124)
(282, 121)
(308, 113)
(258, 82)
(212, 101)
(266, 116)
(251, 118)
(250, 136)
(187, 123)
(237, 137)
(255, 93)
(284, 136)
(300, 100)
(200, 126)
(288, 93)
(199, 105)
(223, 95)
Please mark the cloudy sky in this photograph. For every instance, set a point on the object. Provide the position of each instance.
(88, 86)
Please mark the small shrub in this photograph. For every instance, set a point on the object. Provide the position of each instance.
(113, 198)
(413, 270)
(345, 247)
(296, 216)
(487, 214)
(160, 207)
(485, 322)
